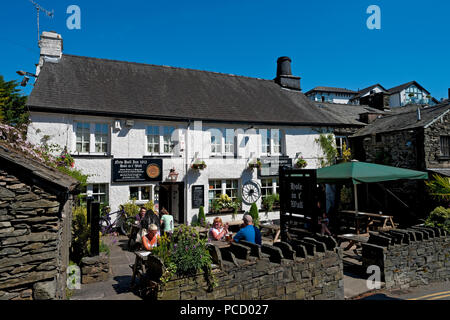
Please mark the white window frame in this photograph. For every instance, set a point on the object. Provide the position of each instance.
(224, 145)
(139, 199)
(223, 188)
(339, 150)
(268, 142)
(161, 139)
(92, 138)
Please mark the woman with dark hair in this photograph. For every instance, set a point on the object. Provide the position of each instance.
(152, 218)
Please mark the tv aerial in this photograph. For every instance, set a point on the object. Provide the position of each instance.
(50, 14)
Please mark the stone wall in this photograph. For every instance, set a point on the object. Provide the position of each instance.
(408, 258)
(432, 143)
(34, 239)
(308, 270)
(95, 269)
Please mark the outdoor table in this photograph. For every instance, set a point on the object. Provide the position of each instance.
(353, 239)
(274, 228)
(371, 217)
(220, 244)
(139, 263)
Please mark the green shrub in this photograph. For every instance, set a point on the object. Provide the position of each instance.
(439, 217)
(80, 234)
(184, 253)
(255, 214)
(201, 217)
(131, 208)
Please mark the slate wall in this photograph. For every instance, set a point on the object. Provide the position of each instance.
(34, 239)
(408, 258)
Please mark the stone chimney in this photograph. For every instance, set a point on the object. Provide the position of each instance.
(51, 45)
(369, 117)
(284, 75)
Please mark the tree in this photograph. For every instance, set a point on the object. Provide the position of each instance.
(254, 214)
(439, 187)
(12, 104)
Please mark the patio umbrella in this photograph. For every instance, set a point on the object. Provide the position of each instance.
(363, 172)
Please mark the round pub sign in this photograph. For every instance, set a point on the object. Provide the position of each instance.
(153, 171)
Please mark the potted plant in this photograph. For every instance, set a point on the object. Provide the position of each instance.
(301, 163)
(198, 165)
(224, 204)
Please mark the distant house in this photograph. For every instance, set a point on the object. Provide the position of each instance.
(373, 89)
(410, 93)
(331, 95)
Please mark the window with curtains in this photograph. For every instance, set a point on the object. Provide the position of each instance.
(83, 134)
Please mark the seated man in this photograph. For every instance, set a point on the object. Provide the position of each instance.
(247, 232)
(150, 240)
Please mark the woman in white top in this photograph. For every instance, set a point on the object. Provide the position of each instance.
(218, 230)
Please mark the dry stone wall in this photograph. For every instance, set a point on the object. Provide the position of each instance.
(34, 240)
(282, 272)
(411, 257)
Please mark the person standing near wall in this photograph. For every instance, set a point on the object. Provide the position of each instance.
(166, 221)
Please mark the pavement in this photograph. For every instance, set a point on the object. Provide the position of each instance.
(432, 292)
(117, 287)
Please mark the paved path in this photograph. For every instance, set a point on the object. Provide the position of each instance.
(117, 286)
(433, 292)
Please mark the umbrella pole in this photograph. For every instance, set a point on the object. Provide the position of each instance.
(356, 196)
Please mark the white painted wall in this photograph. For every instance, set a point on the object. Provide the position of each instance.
(132, 142)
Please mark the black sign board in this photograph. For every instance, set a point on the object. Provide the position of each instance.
(270, 165)
(298, 198)
(198, 196)
(136, 170)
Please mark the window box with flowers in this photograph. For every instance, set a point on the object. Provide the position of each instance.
(198, 165)
(224, 204)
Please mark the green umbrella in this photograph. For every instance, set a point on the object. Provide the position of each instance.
(363, 172)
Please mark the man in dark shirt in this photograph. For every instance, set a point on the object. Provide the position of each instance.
(249, 232)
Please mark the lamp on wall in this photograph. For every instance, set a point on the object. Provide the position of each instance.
(173, 175)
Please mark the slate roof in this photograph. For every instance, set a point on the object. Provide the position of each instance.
(33, 167)
(366, 90)
(346, 113)
(406, 85)
(331, 89)
(403, 120)
(83, 85)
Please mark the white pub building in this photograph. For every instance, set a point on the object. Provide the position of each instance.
(146, 131)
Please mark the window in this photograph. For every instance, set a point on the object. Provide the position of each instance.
(167, 135)
(101, 137)
(216, 141)
(100, 192)
(153, 139)
(231, 189)
(445, 146)
(340, 145)
(229, 141)
(143, 193)
(91, 138)
(266, 188)
(82, 136)
(215, 190)
(270, 141)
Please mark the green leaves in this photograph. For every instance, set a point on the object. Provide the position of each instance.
(439, 217)
(439, 187)
(12, 104)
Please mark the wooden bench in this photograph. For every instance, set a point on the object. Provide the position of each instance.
(139, 265)
(353, 239)
(274, 228)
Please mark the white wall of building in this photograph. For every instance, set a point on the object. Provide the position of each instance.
(132, 143)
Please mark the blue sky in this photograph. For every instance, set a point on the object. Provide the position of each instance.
(328, 41)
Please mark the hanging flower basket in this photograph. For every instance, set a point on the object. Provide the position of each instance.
(301, 163)
(198, 165)
(256, 164)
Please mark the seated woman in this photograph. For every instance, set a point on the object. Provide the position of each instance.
(218, 231)
(150, 240)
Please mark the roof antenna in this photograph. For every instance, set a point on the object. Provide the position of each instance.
(38, 10)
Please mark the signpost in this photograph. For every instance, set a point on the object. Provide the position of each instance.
(198, 196)
(135, 170)
(298, 198)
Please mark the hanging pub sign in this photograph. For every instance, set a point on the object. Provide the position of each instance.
(270, 165)
(198, 196)
(298, 198)
(136, 170)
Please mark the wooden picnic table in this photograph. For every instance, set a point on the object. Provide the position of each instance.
(274, 228)
(220, 243)
(353, 239)
(371, 218)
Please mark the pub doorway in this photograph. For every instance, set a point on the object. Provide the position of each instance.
(171, 197)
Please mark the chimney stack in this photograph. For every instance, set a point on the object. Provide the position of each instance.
(284, 75)
(51, 45)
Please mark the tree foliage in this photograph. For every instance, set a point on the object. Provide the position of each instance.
(439, 187)
(328, 145)
(12, 104)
